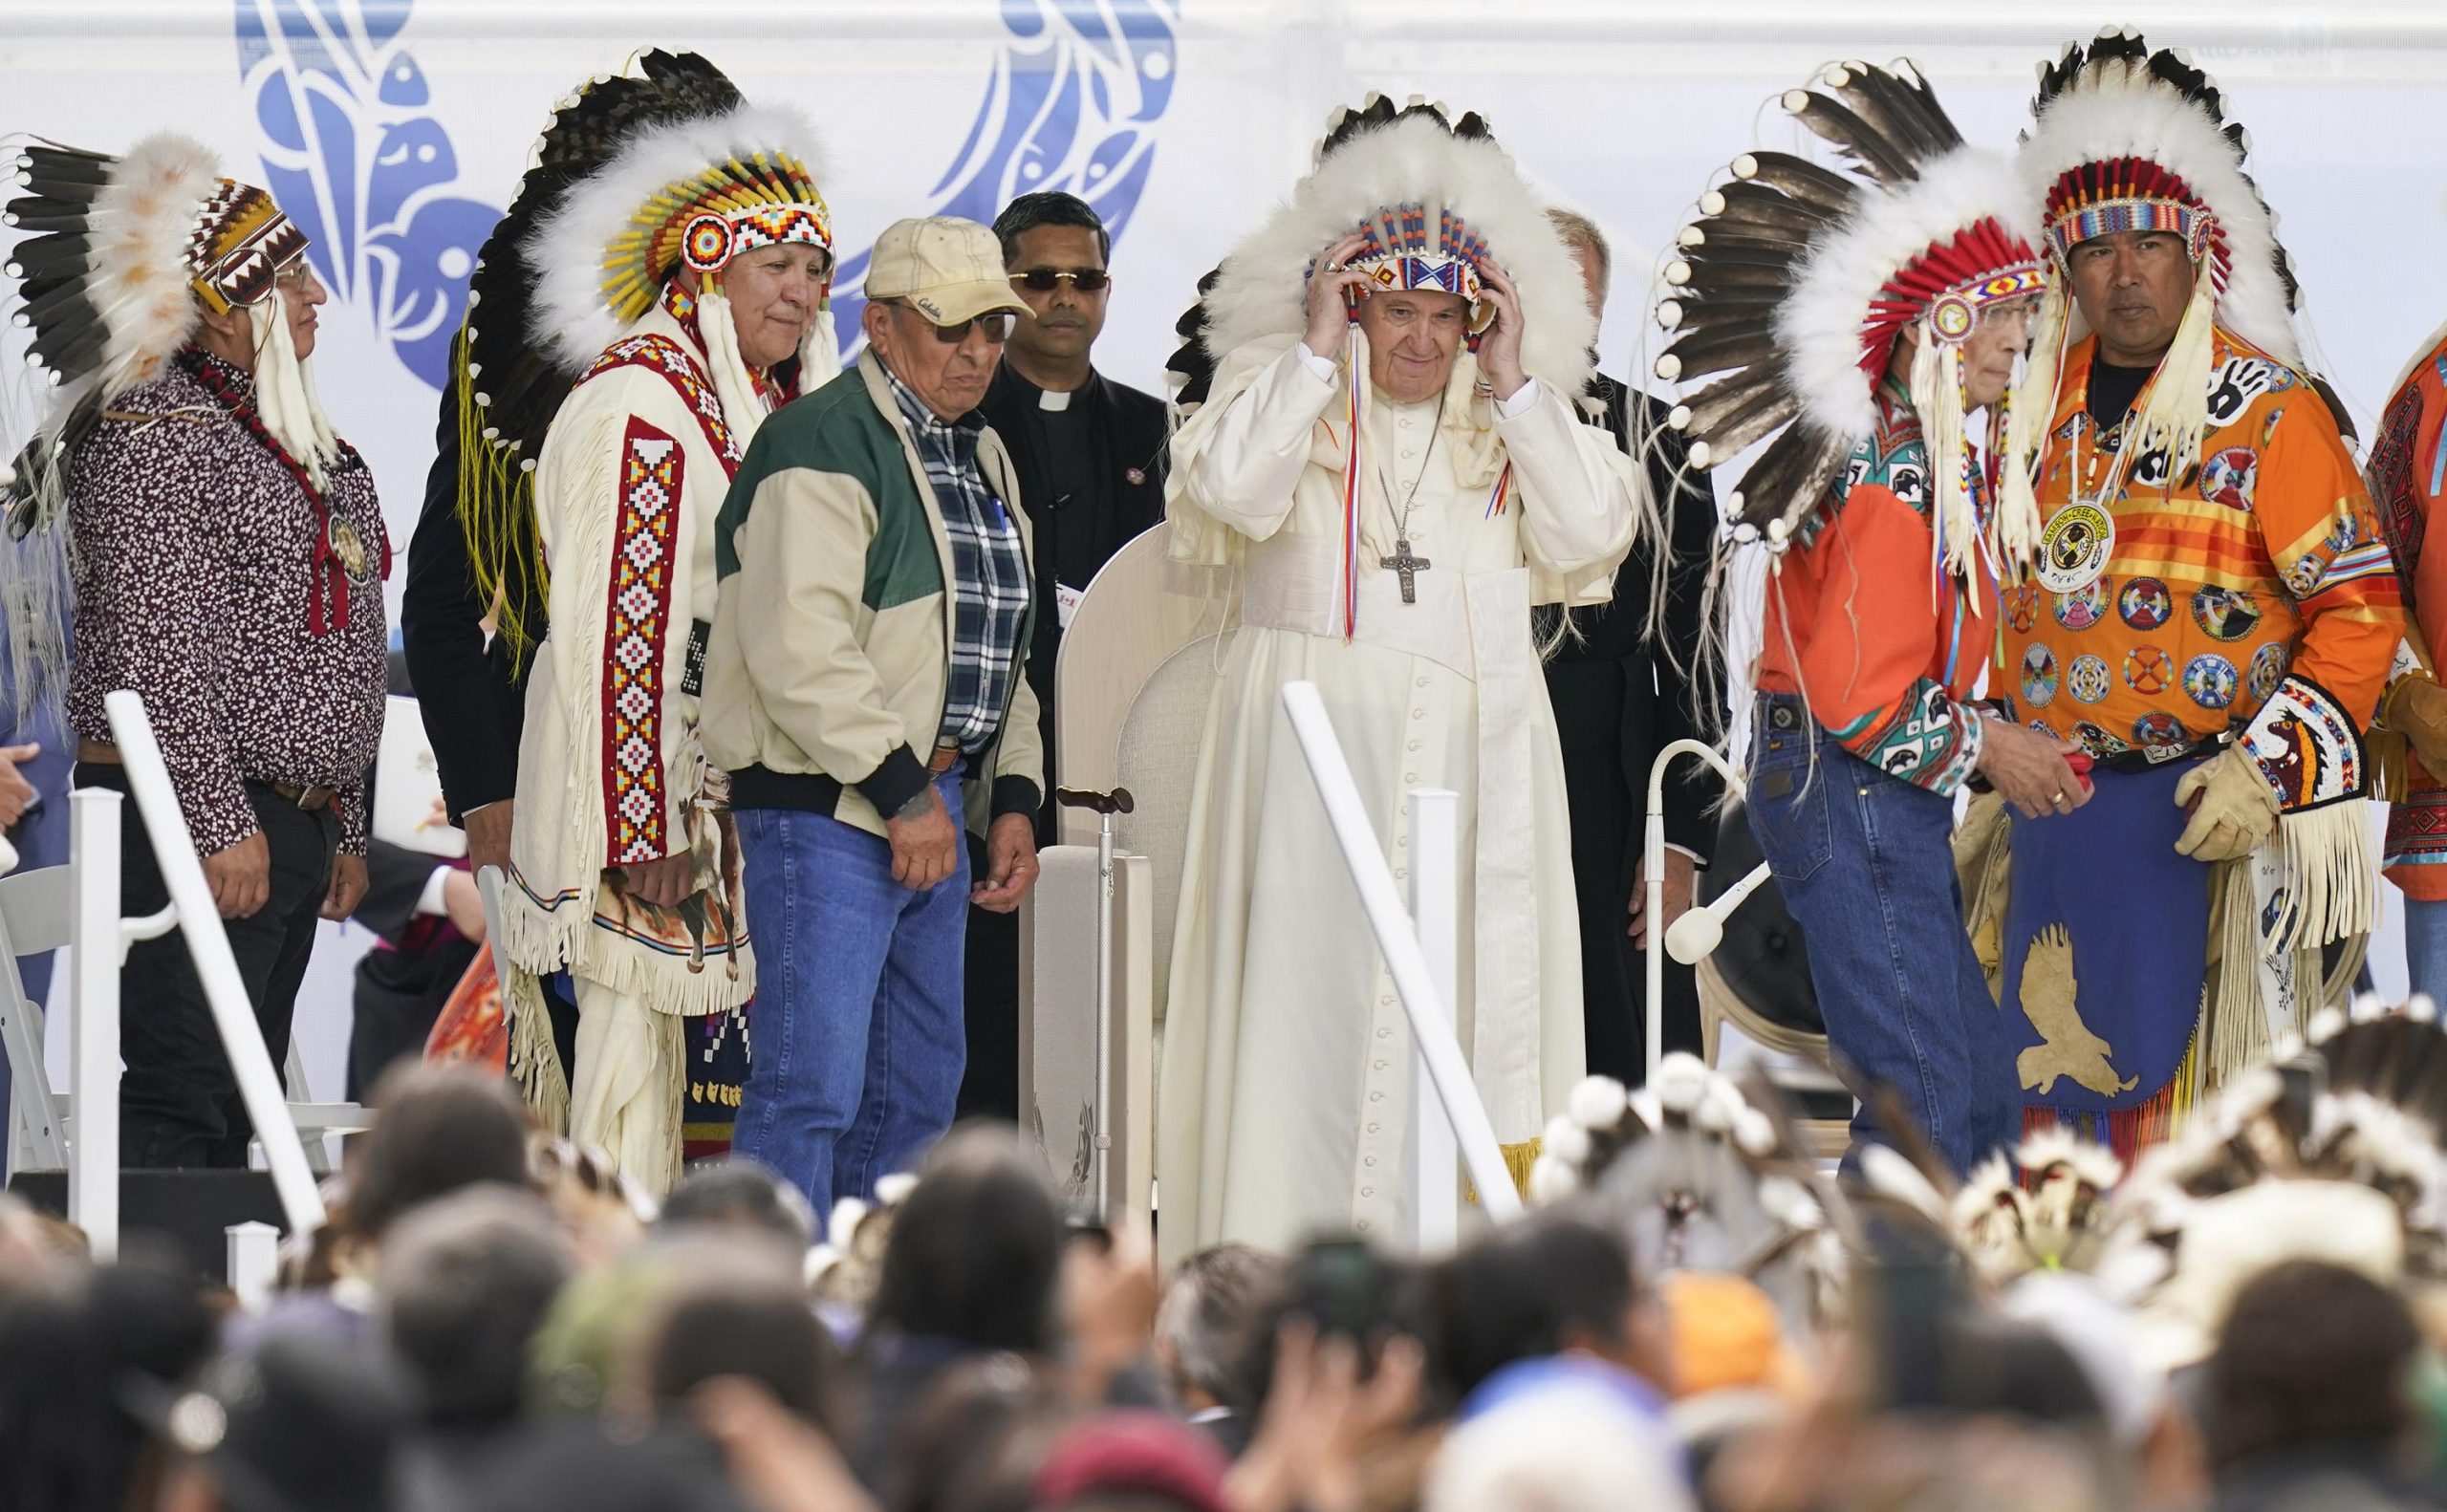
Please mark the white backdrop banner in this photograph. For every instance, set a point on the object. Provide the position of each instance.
(393, 131)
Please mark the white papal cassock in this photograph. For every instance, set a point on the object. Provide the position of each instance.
(1287, 1056)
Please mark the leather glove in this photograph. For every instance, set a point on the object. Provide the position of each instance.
(2417, 710)
(2235, 810)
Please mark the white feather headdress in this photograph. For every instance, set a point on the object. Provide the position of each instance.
(2124, 137)
(1798, 280)
(1379, 157)
(636, 174)
(1698, 1178)
(121, 257)
(596, 242)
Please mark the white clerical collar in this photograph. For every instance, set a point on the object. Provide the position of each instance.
(1052, 400)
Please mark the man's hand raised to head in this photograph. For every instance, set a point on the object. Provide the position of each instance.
(1329, 311)
(1500, 346)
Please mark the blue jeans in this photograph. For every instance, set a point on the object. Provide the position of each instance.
(1865, 862)
(856, 1041)
(2426, 947)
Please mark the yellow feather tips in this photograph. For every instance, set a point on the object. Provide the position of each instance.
(496, 511)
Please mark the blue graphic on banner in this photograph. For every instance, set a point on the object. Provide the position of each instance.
(1072, 105)
(355, 157)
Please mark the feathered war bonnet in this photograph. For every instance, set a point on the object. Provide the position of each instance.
(635, 178)
(1699, 1178)
(2126, 138)
(1435, 199)
(1797, 280)
(2333, 1154)
(119, 259)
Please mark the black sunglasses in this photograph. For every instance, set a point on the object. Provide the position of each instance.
(1044, 280)
(995, 324)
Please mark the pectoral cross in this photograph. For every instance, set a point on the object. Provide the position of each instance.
(1407, 566)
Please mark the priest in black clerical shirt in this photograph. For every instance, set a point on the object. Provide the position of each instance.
(1091, 456)
(1621, 696)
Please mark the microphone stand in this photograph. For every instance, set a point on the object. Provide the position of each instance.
(1705, 925)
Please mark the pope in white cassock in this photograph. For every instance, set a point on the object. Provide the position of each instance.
(1387, 546)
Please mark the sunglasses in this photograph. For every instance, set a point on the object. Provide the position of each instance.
(995, 325)
(1044, 280)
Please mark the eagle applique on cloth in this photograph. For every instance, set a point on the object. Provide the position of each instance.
(2066, 1048)
(2098, 1015)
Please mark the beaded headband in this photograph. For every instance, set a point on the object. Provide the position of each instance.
(240, 244)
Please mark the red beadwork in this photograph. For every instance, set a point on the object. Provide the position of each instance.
(1975, 257)
(636, 634)
(328, 574)
(2106, 180)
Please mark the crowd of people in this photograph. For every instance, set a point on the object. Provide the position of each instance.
(736, 660)
(493, 1321)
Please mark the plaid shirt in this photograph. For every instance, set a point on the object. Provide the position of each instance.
(990, 587)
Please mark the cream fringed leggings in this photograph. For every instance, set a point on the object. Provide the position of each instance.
(625, 1096)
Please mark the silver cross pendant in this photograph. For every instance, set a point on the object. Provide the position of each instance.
(1407, 566)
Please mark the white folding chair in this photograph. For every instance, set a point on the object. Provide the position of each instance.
(34, 918)
(316, 1119)
(34, 908)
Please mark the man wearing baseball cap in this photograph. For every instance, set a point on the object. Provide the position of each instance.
(866, 684)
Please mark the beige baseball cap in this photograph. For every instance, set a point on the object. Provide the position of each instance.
(948, 269)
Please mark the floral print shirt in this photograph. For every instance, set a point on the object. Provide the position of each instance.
(198, 585)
